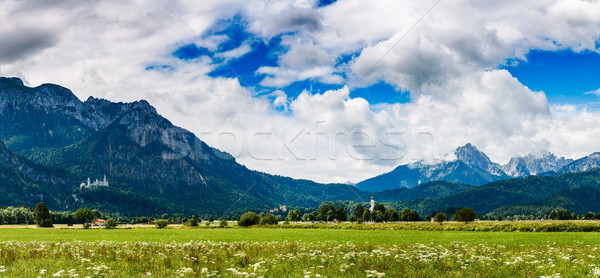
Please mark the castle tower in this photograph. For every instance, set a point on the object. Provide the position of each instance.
(88, 184)
(372, 204)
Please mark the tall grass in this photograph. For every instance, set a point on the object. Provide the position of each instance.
(293, 259)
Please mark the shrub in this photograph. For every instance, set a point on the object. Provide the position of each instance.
(111, 223)
(86, 225)
(161, 223)
(248, 219)
(223, 223)
(269, 219)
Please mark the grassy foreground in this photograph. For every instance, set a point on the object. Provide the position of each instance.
(268, 252)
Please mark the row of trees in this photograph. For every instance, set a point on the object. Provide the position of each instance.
(380, 214)
(560, 214)
(250, 219)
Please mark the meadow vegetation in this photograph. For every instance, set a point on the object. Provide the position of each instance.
(293, 259)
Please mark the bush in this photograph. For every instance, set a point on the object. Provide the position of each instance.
(269, 219)
(161, 223)
(223, 223)
(110, 223)
(248, 219)
(86, 225)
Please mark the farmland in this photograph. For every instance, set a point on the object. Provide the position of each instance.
(295, 252)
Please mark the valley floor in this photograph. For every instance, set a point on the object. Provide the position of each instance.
(295, 252)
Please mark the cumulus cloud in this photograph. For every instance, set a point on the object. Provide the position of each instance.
(448, 61)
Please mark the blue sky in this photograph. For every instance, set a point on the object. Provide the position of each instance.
(564, 75)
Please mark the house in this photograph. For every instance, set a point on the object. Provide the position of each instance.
(99, 222)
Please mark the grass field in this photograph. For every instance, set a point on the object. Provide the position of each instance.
(267, 252)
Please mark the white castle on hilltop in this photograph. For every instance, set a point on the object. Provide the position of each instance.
(103, 182)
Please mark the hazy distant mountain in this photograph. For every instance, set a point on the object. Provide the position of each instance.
(533, 165)
(471, 166)
(535, 191)
(583, 164)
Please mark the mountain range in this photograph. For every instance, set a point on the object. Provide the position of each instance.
(51, 142)
(475, 167)
(153, 166)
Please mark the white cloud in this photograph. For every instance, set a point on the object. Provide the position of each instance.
(594, 92)
(448, 62)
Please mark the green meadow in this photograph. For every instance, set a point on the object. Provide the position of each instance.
(299, 251)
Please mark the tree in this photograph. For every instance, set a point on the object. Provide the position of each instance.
(366, 216)
(404, 214)
(340, 214)
(358, 211)
(377, 216)
(111, 223)
(589, 216)
(211, 219)
(392, 215)
(306, 217)
(248, 219)
(329, 216)
(293, 216)
(379, 207)
(413, 215)
(161, 223)
(440, 217)
(42, 215)
(465, 214)
(84, 215)
(269, 219)
(194, 221)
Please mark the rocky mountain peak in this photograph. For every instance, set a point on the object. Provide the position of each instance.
(535, 164)
(469, 154)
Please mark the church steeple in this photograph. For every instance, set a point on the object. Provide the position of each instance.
(372, 203)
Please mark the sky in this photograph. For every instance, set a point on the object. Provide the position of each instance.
(332, 91)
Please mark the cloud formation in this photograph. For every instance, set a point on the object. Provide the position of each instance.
(448, 63)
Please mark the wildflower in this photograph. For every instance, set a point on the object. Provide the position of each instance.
(374, 273)
(58, 274)
(2, 268)
(596, 272)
